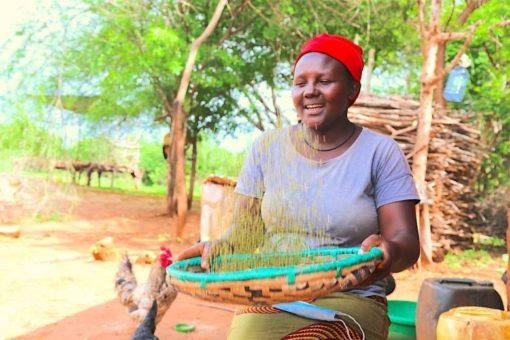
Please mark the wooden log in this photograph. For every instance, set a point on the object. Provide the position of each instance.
(10, 231)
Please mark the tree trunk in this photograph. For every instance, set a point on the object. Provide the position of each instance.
(430, 44)
(171, 207)
(439, 101)
(420, 165)
(370, 69)
(180, 168)
(193, 171)
(179, 120)
(408, 83)
(433, 43)
(112, 179)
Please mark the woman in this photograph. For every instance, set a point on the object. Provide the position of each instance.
(329, 176)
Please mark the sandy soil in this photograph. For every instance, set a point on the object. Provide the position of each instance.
(51, 288)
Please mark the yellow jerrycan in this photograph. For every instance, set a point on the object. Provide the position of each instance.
(473, 323)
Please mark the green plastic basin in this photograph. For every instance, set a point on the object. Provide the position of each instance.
(402, 315)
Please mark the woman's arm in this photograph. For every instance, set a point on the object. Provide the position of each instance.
(398, 240)
(399, 232)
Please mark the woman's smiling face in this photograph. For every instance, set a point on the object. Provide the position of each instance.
(322, 91)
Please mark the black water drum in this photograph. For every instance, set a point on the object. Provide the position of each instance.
(439, 295)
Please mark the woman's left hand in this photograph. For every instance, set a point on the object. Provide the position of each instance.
(384, 267)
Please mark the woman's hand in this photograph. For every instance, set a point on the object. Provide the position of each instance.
(201, 249)
(206, 250)
(398, 240)
(384, 267)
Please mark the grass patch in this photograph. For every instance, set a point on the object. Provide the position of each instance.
(470, 257)
(491, 241)
(51, 217)
(123, 183)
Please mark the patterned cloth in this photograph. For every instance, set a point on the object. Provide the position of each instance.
(266, 322)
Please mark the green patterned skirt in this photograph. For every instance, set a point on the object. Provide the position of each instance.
(266, 322)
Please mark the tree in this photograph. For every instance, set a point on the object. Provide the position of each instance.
(179, 120)
(433, 41)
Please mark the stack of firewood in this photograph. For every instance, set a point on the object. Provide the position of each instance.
(455, 155)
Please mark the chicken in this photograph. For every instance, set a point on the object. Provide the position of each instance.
(139, 298)
(147, 328)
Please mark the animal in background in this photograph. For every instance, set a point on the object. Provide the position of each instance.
(138, 299)
(100, 168)
(147, 328)
(166, 145)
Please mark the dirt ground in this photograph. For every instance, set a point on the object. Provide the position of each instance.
(51, 288)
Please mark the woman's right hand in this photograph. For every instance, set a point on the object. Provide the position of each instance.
(201, 249)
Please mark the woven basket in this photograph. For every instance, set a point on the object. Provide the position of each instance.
(266, 286)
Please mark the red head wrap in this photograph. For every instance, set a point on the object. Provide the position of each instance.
(339, 48)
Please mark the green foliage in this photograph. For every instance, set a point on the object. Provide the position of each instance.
(129, 55)
(153, 164)
(488, 91)
(470, 258)
(493, 241)
(94, 149)
(213, 159)
(51, 217)
(23, 138)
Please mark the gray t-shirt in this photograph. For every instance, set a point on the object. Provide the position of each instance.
(338, 197)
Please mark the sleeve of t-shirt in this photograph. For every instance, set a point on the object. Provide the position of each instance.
(251, 178)
(393, 180)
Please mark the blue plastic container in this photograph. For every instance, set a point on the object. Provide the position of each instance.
(456, 84)
(402, 315)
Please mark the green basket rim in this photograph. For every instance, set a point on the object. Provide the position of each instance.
(178, 269)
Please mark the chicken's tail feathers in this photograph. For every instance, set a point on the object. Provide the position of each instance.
(147, 328)
(125, 281)
(126, 261)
